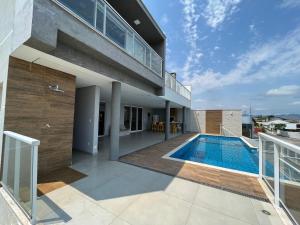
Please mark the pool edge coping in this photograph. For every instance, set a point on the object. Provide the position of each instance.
(168, 156)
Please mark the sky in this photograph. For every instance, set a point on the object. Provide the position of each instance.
(234, 53)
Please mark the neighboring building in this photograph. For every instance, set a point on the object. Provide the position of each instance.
(247, 126)
(212, 121)
(75, 70)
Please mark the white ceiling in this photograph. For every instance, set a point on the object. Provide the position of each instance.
(84, 77)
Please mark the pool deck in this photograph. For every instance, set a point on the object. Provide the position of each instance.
(151, 158)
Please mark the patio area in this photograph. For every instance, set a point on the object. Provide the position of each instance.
(133, 142)
(151, 158)
(120, 194)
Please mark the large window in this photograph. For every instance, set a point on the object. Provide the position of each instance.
(83, 8)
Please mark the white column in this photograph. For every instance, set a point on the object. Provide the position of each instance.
(167, 127)
(115, 120)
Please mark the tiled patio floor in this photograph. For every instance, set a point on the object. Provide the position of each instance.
(120, 194)
(151, 158)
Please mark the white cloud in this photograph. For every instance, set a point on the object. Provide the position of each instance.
(190, 29)
(216, 48)
(276, 58)
(290, 3)
(216, 11)
(284, 90)
(164, 20)
(295, 103)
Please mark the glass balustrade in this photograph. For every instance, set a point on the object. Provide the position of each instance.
(107, 21)
(19, 175)
(176, 86)
(280, 169)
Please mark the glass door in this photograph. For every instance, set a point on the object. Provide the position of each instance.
(127, 117)
(140, 118)
(133, 118)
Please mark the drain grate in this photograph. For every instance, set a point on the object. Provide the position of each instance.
(266, 212)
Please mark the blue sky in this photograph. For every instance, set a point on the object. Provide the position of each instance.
(234, 52)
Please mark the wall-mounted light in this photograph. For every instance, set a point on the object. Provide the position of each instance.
(55, 87)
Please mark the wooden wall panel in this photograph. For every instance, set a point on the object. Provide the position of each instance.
(32, 109)
(213, 121)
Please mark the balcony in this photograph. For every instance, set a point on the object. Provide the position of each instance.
(176, 86)
(102, 18)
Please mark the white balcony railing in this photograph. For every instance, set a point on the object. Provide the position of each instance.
(175, 85)
(102, 18)
(19, 177)
(279, 167)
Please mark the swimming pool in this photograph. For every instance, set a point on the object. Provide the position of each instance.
(227, 152)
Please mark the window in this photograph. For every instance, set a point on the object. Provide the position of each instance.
(83, 8)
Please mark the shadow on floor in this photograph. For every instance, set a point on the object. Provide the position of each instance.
(50, 213)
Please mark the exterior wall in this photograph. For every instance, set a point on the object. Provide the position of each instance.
(196, 120)
(15, 27)
(87, 119)
(57, 32)
(232, 121)
(32, 109)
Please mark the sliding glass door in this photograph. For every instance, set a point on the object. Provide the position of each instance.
(136, 120)
(133, 118)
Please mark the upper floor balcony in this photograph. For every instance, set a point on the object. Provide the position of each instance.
(104, 19)
(172, 83)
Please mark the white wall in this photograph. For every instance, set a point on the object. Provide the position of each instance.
(196, 120)
(87, 103)
(15, 29)
(232, 121)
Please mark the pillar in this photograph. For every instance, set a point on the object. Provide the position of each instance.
(183, 120)
(167, 128)
(115, 120)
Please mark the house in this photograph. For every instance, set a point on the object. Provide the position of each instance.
(74, 71)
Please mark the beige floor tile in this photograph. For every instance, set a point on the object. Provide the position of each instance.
(227, 203)
(203, 216)
(157, 208)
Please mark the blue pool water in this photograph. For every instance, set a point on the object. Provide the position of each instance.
(226, 152)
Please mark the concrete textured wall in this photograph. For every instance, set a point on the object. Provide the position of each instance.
(87, 103)
(15, 29)
(232, 121)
